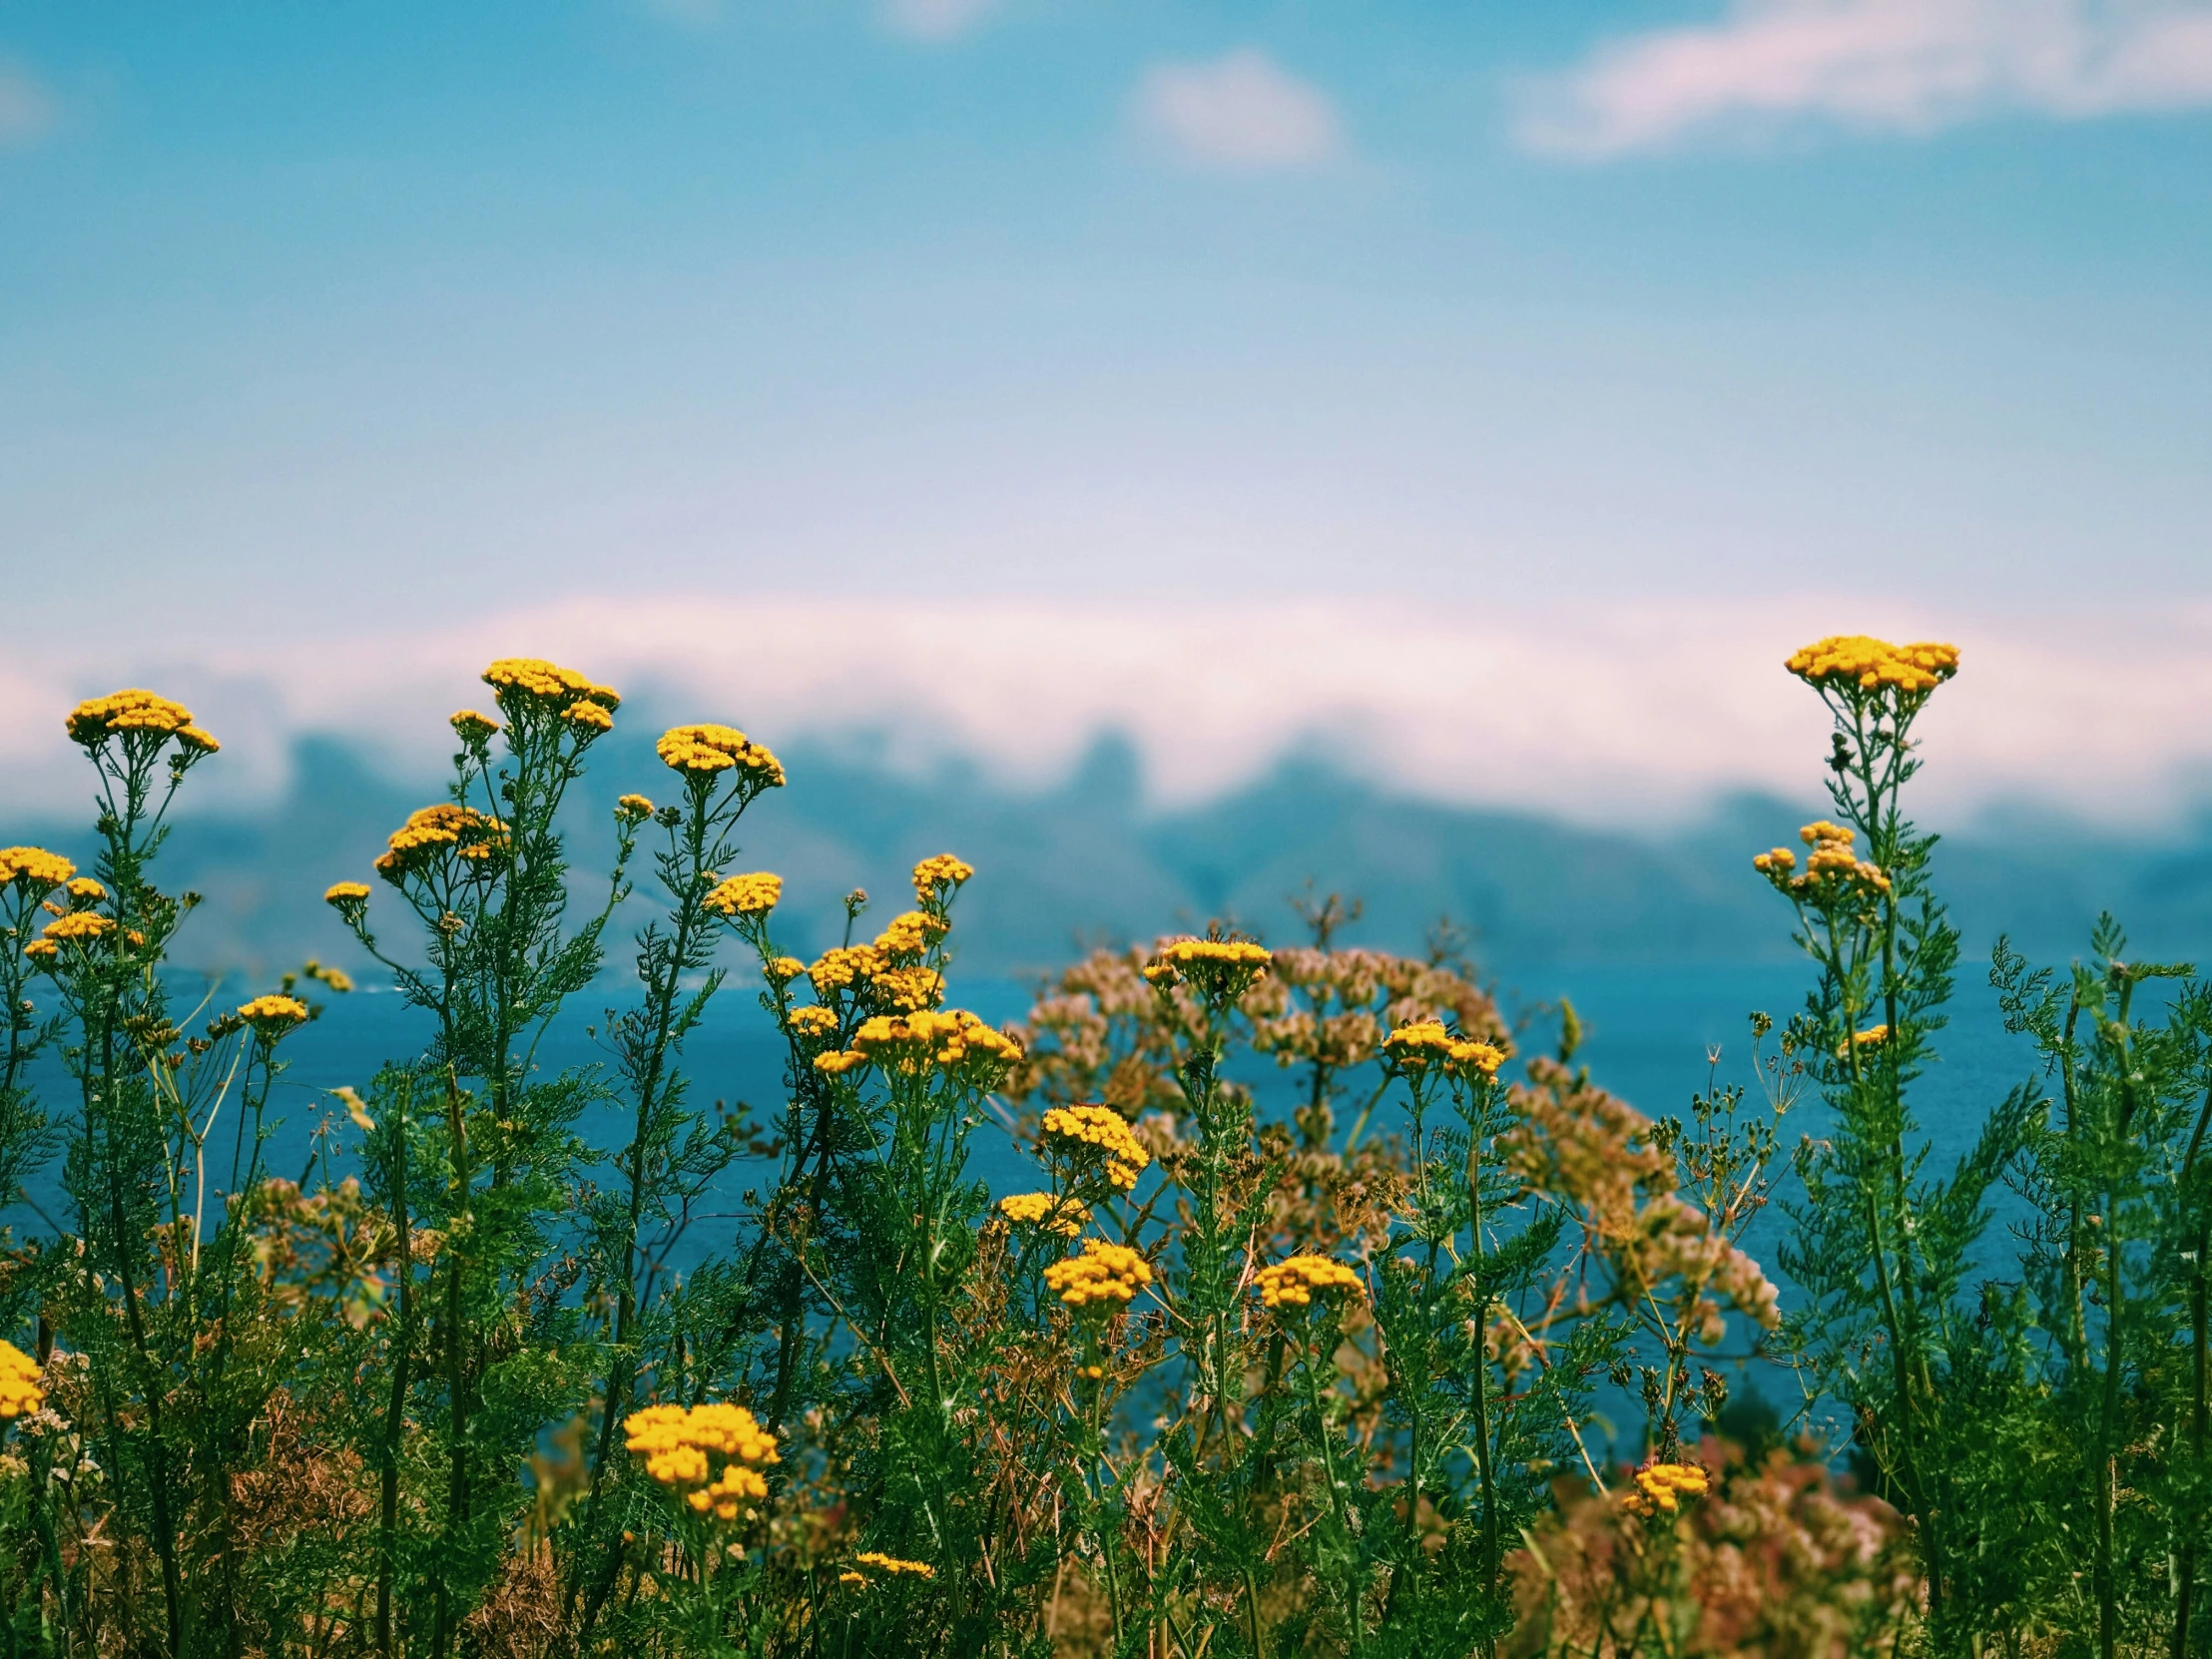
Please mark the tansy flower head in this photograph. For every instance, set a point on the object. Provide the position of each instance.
(1220, 970)
(745, 895)
(1857, 663)
(1093, 1139)
(633, 809)
(907, 991)
(76, 926)
(1063, 1216)
(272, 1016)
(1295, 1281)
(135, 714)
(532, 684)
(1105, 1276)
(20, 1391)
(813, 1021)
(431, 832)
(85, 891)
(780, 971)
(1425, 1043)
(844, 965)
(587, 716)
(33, 869)
(936, 878)
(950, 1040)
(703, 750)
(349, 899)
(1660, 1489)
(680, 1446)
(473, 728)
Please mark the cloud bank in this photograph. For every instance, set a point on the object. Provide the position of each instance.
(27, 108)
(1631, 715)
(1242, 112)
(1888, 66)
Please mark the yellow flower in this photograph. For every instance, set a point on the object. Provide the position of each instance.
(1295, 1281)
(1660, 1487)
(745, 895)
(77, 925)
(20, 1390)
(33, 869)
(337, 978)
(197, 740)
(848, 1577)
(633, 809)
(840, 1062)
(534, 682)
(1088, 1136)
(1063, 1216)
(911, 933)
(473, 727)
(588, 715)
(935, 877)
(781, 970)
(678, 1446)
(129, 713)
(813, 1021)
(1428, 1042)
(844, 965)
(433, 832)
(892, 1565)
(952, 1039)
(908, 989)
(86, 891)
(1220, 970)
(40, 950)
(709, 748)
(1856, 662)
(272, 1016)
(349, 898)
(1104, 1276)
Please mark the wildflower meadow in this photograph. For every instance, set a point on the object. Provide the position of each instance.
(1341, 1313)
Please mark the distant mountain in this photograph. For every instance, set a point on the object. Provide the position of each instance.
(1087, 861)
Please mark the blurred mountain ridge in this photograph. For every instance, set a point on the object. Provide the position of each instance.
(1088, 862)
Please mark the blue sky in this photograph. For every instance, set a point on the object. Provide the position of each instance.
(320, 320)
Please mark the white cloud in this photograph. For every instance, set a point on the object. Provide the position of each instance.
(1640, 712)
(27, 108)
(1900, 66)
(1240, 112)
(934, 19)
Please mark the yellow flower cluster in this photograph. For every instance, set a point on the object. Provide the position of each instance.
(1103, 1274)
(1855, 659)
(472, 726)
(20, 1391)
(890, 1564)
(1096, 1135)
(1295, 1281)
(272, 1016)
(1064, 1216)
(909, 933)
(633, 809)
(514, 678)
(709, 748)
(588, 715)
(909, 989)
(1220, 970)
(781, 970)
(122, 713)
(679, 1445)
(946, 1040)
(1832, 870)
(346, 895)
(1660, 1487)
(745, 895)
(1428, 1042)
(431, 831)
(85, 891)
(77, 926)
(844, 965)
(839, 1061)
(33, 869)
(1872, 1037)
(813, 1021)
(938, 875)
